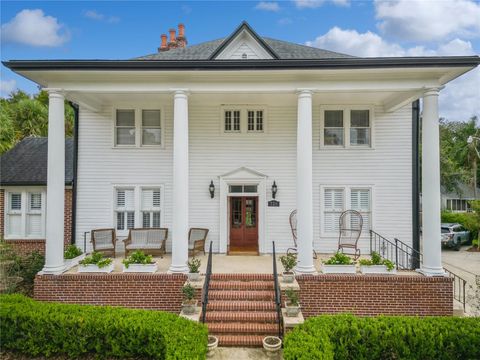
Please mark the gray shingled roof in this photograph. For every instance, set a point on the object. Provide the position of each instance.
(284, 49)
(26, 163)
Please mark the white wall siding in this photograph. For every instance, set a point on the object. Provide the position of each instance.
(387, 168)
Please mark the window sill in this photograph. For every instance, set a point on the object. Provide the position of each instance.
(343, 148)
(143, 147)
(24, 238)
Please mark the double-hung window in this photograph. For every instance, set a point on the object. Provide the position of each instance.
(359, 127)
(338, 199)
(255, 120)
(346, 127)
(232, 120)
(151, 208)
(125, 209)
(24, 215)
(151, 127)
(125, 127)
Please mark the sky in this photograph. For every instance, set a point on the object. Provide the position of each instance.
(125, 29)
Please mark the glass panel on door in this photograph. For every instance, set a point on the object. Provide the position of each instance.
(236, 212)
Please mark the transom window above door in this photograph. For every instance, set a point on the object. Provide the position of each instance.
(346, 127)
(239, 189)
(248, 119)
(138, 128)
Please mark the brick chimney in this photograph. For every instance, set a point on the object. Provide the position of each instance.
(172, 44)
(163, 45)
(181, 39)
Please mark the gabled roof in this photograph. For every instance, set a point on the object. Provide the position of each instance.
(26, 163)
(243, 27)
(276, 48)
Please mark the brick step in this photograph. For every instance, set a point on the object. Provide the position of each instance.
(242, 328)
(229, 316)
(241, 285)
(236, 305)
(240, 340)
(243, 277)
(241, 295)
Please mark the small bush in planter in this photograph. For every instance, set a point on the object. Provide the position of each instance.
(72, 252)
(138, 257)
(339, 259)
(189, 303)
(376, 259)
(96, 258)
(194, 269)
(292, 304)
(288, 261)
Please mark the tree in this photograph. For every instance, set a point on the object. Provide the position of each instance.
(22, 115)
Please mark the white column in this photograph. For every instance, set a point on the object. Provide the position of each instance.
(55, 184)
(180, 183)
(304, 184)
(431, 223)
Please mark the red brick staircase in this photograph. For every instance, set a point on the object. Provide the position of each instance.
(241, 309)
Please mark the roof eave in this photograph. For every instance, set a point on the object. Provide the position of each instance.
(346, 63)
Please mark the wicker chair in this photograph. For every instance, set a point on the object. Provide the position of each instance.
(196, 240)
(351, 224)
(149, 240)
(293, 228)
(104, 240)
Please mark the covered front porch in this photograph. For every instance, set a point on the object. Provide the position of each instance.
(304, 95)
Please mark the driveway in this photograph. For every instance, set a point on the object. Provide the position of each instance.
(463, 263)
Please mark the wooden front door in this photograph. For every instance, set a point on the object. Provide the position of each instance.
(244, 224)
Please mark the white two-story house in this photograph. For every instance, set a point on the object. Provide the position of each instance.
(196, 136)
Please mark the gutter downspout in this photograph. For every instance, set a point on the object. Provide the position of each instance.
(416, 181)
(75, 162)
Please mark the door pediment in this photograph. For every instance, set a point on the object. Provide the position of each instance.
(243, 173)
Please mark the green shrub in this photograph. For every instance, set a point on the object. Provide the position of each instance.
(46, 329)
(339, 259)
(292, 297)
(137, 257)
(96, 258)
(72, 252)
(376, 259)
(288, 261)
(194, 265)
(384, 338)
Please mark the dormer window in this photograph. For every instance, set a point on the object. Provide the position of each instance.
(244, 56)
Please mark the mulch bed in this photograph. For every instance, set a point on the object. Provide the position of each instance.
(474, 249)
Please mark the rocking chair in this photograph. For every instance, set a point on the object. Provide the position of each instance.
(351, 223)
(293, 227)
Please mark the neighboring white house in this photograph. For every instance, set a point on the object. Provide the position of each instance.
(459, 200)
(333, 131)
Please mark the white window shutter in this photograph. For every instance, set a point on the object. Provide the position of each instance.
(121, 198)
(360, 199)
(156, 198)
(16, 201)
(15, 224)
(35, 201)
(34, 225)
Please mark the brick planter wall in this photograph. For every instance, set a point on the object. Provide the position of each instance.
(375, 295)
(145, 291)
(26, 246)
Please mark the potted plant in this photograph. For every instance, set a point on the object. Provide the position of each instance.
(194, 269)
(288, 261)
(272, 343)
(189, 303)
(139, 262)
(72, 256)
(339, 264)
(95, 262)
(292, 305)
(377, 265)
(212, 345)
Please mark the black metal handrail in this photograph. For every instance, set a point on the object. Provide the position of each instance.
(278, 303)
(459, 285)
(206, 285)
(404, 256)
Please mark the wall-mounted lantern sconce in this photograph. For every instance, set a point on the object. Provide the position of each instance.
(211, 188)
(274, 190)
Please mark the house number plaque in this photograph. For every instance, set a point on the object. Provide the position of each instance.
(274, 203)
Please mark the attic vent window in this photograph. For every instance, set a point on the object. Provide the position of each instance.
(244, 56)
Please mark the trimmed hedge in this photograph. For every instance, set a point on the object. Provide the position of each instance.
(384, 338)
(39, 328)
